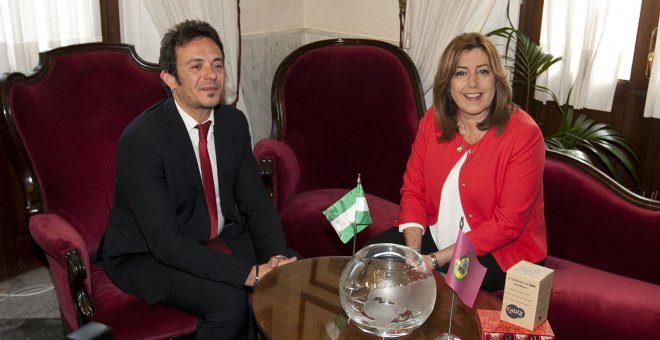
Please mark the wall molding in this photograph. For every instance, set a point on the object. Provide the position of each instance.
(311, 31)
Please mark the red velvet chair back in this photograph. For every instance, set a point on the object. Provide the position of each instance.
(593, 220)
(68, 117)
(339, 128)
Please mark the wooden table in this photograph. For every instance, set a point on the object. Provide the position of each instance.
(301, 301)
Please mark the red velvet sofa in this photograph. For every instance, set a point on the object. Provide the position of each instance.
(602, 242)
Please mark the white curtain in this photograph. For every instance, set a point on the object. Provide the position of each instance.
(431, 24)
(28, 27)
(652, 106)
(138, 29)
(596, 39)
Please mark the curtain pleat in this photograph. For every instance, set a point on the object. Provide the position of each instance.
(652, 105)
(595, 39)
(28, 27)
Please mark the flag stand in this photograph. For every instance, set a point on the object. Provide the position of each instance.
(355, 228)
(448, 335)
(354, 237)
(355, 232)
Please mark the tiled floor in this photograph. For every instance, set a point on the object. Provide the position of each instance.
(32, 312)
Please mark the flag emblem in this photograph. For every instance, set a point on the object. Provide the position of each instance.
(467, 273)
(461, 268)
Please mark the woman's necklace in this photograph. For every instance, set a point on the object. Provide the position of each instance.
(471, 139)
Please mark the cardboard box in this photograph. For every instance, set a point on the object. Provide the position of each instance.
(526, 295)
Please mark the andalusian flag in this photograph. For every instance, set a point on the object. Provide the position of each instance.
(349, 215)
(465, 273)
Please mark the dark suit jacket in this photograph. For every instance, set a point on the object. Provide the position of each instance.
(159, 220)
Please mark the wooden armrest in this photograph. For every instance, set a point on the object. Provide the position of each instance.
(266, 171)
(82, 302)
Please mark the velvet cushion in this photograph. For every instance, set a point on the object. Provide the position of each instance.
(588, 303)
(309, 232)
(349, 109)
(588, 223)
(131, 318)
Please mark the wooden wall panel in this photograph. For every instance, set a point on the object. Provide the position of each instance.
(110, 28)
(18, 253)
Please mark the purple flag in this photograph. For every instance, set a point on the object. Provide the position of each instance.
(465, 273)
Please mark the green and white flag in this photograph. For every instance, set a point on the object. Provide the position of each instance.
(350, 210)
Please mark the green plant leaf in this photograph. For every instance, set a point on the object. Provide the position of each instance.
(598, 140)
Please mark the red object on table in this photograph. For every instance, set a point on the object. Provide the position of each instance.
(492, 328)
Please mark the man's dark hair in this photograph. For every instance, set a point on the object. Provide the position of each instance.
(180, 35)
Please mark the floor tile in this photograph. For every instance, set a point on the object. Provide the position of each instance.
(41, 302)
(32, 329)
(34, 317)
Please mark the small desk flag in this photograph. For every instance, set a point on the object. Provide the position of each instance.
(349, 215)
(465, 273)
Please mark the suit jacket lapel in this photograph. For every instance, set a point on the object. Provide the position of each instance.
(179, 140)
(224, 155)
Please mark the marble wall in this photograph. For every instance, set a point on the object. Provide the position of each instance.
(261, 54)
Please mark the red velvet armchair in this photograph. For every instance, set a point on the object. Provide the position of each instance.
(61, 125)
(340, 107)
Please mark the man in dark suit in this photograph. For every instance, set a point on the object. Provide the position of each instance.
(155, 245)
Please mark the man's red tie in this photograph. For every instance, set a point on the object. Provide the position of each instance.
(207, 178)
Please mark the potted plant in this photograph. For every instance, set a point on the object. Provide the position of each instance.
(596, 143)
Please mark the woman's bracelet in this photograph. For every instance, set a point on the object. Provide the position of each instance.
(434, 262)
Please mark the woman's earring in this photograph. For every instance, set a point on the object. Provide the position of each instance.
(173, 89)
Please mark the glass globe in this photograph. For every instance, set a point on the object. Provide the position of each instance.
(387, 290)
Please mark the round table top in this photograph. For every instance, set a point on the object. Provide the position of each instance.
(301, 301)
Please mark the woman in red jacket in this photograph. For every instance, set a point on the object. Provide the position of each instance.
(478, 157)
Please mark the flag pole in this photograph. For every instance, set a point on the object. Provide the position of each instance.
(448, 335)
(355, 231)
(451, 312)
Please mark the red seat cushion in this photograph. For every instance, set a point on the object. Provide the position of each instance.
(309, 232)
(131, 317)
(588, 303)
